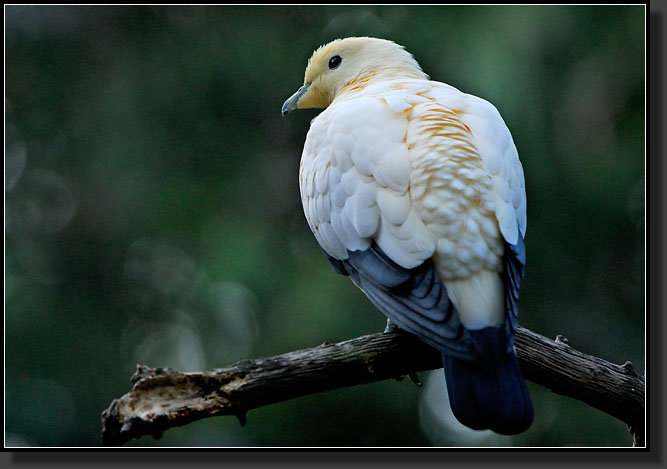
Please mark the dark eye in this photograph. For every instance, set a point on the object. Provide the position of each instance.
(335, 61)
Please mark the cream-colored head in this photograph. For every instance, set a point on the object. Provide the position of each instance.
(347, 63)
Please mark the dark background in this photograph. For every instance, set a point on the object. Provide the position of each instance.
(153, 212)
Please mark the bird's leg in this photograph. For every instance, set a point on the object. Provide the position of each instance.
(391, 327)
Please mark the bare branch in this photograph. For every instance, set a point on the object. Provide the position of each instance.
(164, 398)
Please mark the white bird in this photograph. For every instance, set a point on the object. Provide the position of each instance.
(415, 190)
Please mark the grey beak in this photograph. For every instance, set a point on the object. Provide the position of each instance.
(292, 101)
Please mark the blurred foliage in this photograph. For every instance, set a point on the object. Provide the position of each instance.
(153, 211)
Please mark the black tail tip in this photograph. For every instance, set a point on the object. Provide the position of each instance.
(489, 392)
(507, 418)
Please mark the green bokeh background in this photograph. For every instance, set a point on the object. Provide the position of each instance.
(153, 212)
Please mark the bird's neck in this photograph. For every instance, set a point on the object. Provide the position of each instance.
(363, 80)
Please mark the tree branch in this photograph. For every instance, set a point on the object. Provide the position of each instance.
(164, 398)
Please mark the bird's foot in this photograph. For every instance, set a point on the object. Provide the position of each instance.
(413, 377)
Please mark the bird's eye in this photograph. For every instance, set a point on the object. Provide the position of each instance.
(335, 61)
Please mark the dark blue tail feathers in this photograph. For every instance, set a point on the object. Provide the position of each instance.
(489, 392)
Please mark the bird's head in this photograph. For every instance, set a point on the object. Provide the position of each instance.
(346, 64)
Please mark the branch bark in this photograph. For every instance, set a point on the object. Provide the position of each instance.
(165, 398)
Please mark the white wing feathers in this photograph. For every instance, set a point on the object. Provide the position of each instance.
(364, 151)
(500, 158)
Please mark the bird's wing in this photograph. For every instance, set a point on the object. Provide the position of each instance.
(500, 158)
(414, 299)
(483, 134)
(355, 188)
(360, 189)
(514, 263)
(450, 124)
